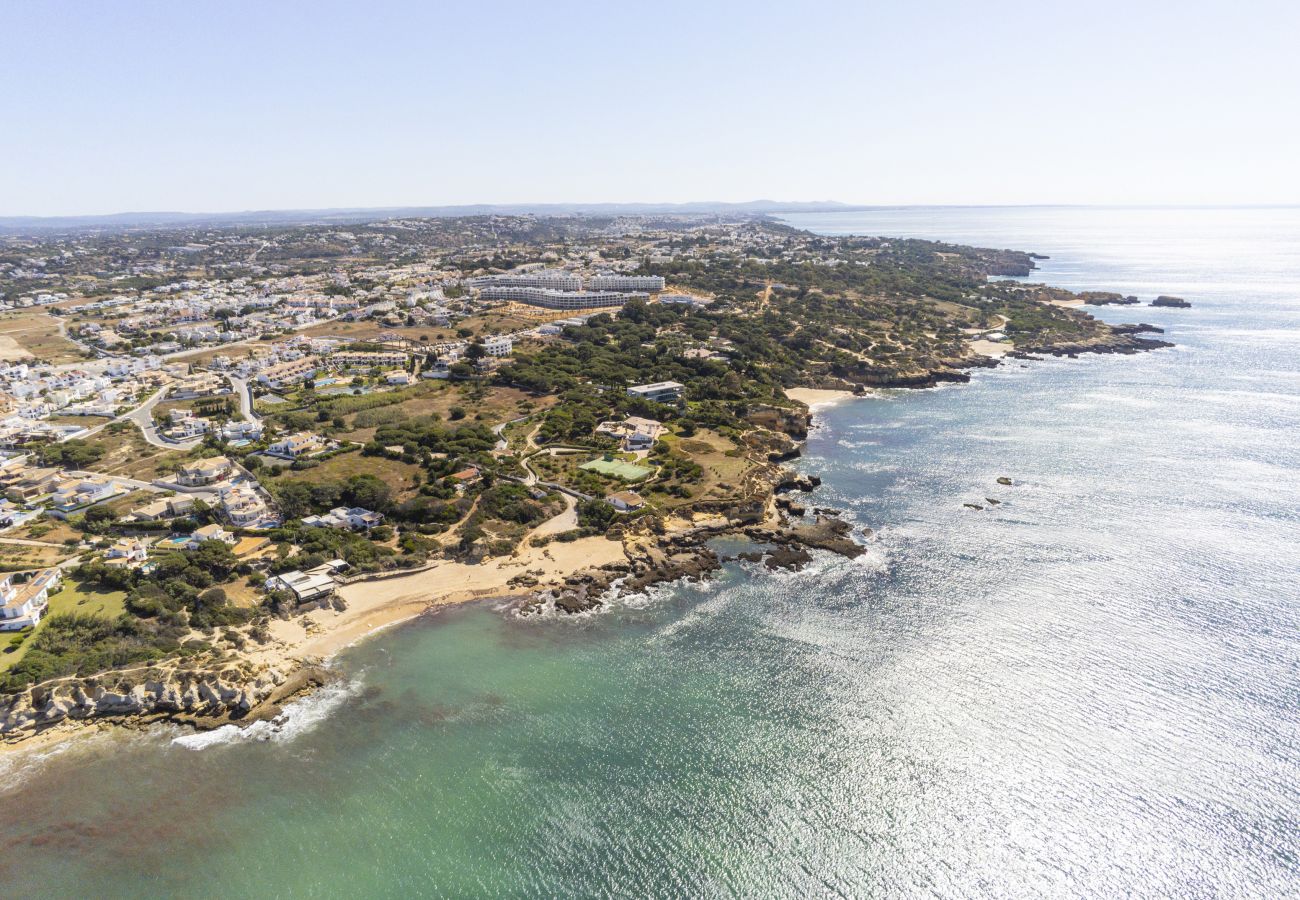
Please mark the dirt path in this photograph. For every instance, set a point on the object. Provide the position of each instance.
(565, 521)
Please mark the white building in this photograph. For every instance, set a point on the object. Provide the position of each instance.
(499, 345)
(24, 597)
(551, 280)
(552, 299)
(353, 518)
(626, 283)
(204, 472)
(296, 445)
(210, 533)
(314, 584)
(245, 430)
(658, 392)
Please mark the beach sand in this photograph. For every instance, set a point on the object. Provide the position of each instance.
(992, 349)
(376, 604)
(817, 397)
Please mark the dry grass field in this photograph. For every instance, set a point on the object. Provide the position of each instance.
(35, 333)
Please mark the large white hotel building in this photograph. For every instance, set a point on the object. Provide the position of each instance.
(565, 290)
(555, 281)
(552, 299)
(650, 283)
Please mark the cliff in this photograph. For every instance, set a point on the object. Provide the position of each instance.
(201, 698)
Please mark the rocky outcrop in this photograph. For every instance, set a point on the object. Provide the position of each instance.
(1110, 342)
(655, 557)
(1107, 298)
(784, 420)
(1168, 301)
(823, 533)
(789, 557)
(1008, 263)
(1139, 328)
(775, 445)
(789, 507)
(795, 482)
(202, 698)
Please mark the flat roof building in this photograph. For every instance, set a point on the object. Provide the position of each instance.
(626, 283)
(547, 279)
(553, 299)
(658, 392)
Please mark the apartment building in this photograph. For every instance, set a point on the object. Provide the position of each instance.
(499, 345)
(366, 359)
(625, 283)
(286, 373)
(545, 279)
(553, 299)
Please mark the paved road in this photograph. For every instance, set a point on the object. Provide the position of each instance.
(244, 391)
(498, 430)
(142, 416)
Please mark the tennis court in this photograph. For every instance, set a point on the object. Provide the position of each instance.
(617, 469)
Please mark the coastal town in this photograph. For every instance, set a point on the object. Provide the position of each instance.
(226, 452)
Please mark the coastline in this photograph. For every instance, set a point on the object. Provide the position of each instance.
(819, 397)
(378, 603)
(990, 349)
(253, 684)
(307, 642)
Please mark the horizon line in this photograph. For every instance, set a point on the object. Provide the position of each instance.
(634, 207)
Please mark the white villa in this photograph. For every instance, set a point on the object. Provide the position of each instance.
(296, 445)
(24, 597)
(354, 518)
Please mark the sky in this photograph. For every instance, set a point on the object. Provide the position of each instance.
(225, 106)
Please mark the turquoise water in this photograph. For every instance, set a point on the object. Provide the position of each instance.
(1089, 690)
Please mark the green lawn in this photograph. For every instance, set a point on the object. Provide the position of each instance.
(71, 597)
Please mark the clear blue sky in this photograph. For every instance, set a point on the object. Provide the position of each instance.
(214, 106)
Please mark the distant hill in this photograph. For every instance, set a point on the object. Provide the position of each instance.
(309, 216)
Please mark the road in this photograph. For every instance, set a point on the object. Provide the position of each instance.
(24, 542)
(142, 416)
(502, 445)
(565, 521)
(137, 484)
(244, 391)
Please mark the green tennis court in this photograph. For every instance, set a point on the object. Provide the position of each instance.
(617, 469)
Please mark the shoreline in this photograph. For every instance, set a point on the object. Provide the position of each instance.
(252, 684)
(374, 605)
(815, 398)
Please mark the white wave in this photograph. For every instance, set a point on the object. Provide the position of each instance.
(296, 719)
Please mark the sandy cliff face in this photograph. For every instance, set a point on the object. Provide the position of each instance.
(205, 698)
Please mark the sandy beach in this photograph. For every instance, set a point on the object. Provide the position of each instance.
(373, 605)
(814, 397)
(992, 349)
(376, 604)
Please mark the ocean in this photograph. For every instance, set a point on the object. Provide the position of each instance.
(1088, 689)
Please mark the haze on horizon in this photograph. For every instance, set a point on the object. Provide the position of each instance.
(217, 107)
